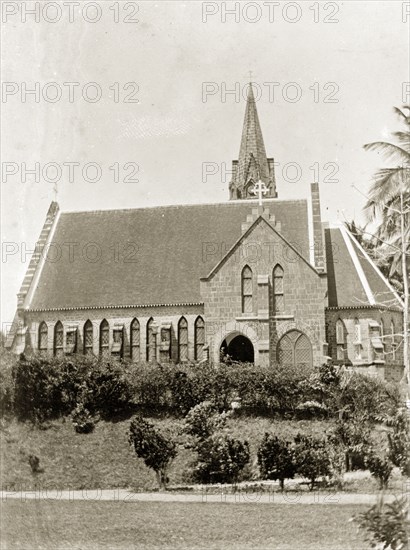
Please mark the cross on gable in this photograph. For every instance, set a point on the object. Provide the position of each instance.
(259, 189)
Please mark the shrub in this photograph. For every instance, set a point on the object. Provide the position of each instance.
(386, 524)
(221, 459)
(311, 409)
(204, 420)
(82, 420)
(34, 462)
(37, 390)
(312, 458)
(399, 441)
(154, 448)
(276, 459)
(7, 361)
(183, 394)
(353, 438)
(109, 392)
(380, 467)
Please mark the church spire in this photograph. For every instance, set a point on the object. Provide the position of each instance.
(252, 164)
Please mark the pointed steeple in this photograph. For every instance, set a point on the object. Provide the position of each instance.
(252, 164)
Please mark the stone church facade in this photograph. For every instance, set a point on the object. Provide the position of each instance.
(254, 279)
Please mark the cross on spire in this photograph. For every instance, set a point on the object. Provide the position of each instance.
(259, 189)
(250, 75)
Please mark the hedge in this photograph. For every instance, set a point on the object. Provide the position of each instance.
(38, 389)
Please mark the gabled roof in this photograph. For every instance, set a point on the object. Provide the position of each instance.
(353, 278)
(258, 220)
(149, 255)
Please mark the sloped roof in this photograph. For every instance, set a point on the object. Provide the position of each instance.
(353, 279)
(171, 248)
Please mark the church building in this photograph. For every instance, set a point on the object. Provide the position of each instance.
(255, 279)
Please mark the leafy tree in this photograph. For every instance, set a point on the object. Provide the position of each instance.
(154, 448)
(399, 441)
(380, 467)
(276, 459)
(352, 437)
(221, 459)
(312, 458)
(389, 205)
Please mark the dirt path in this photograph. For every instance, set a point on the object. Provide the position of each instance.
(240, 497)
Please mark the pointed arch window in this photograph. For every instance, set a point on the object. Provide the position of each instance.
(58, 339)
(340, 340)
(117, 347)
(135, 340)
(182, 340)
(277, 290)
(43, 337)
(295, 349)
(88, 338)
(71, 340)
(247, 290)
(151, 341)
(165, 346)
(393, 340)
(199, 338)
(104, 338)
(357, 340)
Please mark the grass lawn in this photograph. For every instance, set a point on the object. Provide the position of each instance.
(104, 459)
(64, 525)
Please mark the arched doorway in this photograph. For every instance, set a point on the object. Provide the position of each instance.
(237, 348)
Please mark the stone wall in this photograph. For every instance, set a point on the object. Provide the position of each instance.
(262, 249)
(162, 316)
(391, 367)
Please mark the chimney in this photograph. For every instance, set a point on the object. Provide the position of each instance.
(317, 228)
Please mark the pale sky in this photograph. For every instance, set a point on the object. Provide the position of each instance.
(171, 53)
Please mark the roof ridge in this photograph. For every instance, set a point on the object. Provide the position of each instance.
(170, 206)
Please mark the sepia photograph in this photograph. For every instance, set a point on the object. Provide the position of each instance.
(205, 275)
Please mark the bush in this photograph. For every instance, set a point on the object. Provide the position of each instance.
(46, 388)
(156, 449)
(386, 524)
(312, 458)
(221, 459)
(353, 438)
(380, 467)
(82, 420)
(38, 395)
(204, 420)
(399, 441)
(7, 361)
(276, 459)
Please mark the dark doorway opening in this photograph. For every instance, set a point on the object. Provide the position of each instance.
(238, 349)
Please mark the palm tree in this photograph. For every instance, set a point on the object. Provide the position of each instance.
(389, 205)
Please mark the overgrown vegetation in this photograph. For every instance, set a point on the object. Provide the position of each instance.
(385, 524)
(86, 390)
(38, 389)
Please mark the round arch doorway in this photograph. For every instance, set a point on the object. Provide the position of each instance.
(237, 348)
